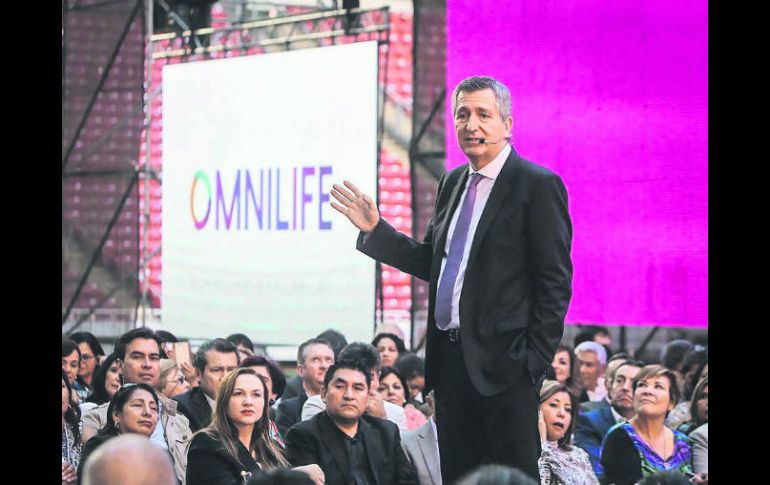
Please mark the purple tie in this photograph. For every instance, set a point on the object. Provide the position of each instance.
(446, 286)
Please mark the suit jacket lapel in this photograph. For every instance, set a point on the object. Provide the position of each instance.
(427, 445)
(374, 451)
(454, 199)
(499, 192)
(608, 417)
(330, 435)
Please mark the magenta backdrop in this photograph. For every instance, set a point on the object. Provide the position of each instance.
(612, 95)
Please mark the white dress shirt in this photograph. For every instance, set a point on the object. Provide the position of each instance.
(483, 189)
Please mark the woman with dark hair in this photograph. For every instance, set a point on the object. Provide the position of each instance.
(237, 443)
(133, 409)
(394, 389)
(105, 384)
(390, 346)
(71, 432)
(90, 353)
(560, 463)
(699, 407)
(643, 445)
(694, 363)
(564, 365)
(70, 363)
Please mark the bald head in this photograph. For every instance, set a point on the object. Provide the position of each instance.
(115, 463)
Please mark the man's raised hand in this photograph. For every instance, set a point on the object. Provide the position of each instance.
(359, 208)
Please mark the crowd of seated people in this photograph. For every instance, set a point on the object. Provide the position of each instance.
(357, 413)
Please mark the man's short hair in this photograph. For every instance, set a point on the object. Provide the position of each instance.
(363, 352)
(241, 339)
(594, 347)
(218, 345)
(130, 336)
(478, 83)
(347, 364)
(304, 345)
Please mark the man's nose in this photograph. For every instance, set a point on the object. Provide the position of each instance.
(470, 125)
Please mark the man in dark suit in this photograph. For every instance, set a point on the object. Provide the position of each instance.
(213, 361)
(497, 256)
(592, 427)
(350, 447)
(314, 357)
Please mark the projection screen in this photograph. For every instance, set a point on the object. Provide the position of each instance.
(251, 147)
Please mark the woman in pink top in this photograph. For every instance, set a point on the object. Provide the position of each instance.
(394, 389)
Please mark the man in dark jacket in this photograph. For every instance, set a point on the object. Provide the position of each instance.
(349, 446)
(213, 361)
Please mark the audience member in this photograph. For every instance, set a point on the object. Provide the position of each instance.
(213, 361)
(591, 360)
(70, 363)
(133, 409)
(699, 408)
(166, 338)
(172, 382)
(337, 342)
(237, 443)
(564, 365)
(275, 381)
(593, 333)
(71, 432)
(243, 343)
(105, 384)
(643, 445)
(314, 357)
(694, 368)
(91, 353)
(167, 351)
(390, 346)
(270, 372)
(421, 448)
(115, 463)
(138, 353)
(592, 426)
(394, 389)
(412, 366)
(673, 353)
(349, 446)
(368, 356)
(609, 373)
(559, 462)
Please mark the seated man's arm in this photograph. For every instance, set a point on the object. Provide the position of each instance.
(301, 449)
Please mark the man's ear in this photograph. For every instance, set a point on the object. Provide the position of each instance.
(198, 374)
(323, 394)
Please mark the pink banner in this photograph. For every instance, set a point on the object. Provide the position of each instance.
(613, 96)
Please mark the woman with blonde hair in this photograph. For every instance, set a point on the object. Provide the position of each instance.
(237, 443)
(172, 382)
